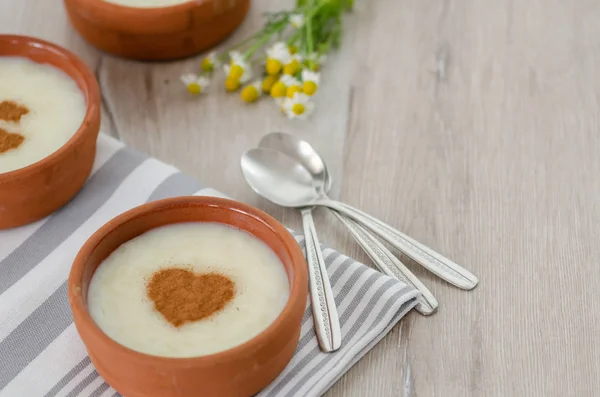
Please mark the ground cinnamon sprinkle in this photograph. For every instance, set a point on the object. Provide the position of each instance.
(9, 140)
(182, 296)
(12, 111)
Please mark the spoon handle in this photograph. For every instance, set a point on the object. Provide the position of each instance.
(425, 256)
(389, 264)
(327, 323)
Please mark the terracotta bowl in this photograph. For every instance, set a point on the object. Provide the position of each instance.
(33, 192)
(156, 33)
(238, 372)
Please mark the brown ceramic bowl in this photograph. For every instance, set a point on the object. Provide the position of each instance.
(33, 192)
(238, 372)
(156, 33)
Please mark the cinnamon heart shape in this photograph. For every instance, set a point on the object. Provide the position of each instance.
(9, 140)
(182, 296)
(12, 111)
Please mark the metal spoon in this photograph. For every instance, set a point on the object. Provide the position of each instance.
(325, 315)
(286, 182)
(305, 154)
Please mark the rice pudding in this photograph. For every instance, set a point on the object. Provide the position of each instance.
(147, 3)
(188, 289)
(41, 108)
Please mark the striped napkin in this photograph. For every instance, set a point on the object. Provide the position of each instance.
(40, 351)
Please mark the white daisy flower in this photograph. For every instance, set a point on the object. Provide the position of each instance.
(308, 75)
(210, 62)
(292, 84)
(279, 51)
(290, 81)
(297, 20)
(195, 84)
(238, 67)
(310, 82)
(294, 65)
(298, 107)
(251, 92)
(277, 56)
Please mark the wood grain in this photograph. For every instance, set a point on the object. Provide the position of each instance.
(472, 126)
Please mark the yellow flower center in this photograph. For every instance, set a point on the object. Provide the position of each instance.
(278, 90)
(268, 83)
(273, 66)
(292, 68)
(298, 109)
(293, 49)
(232, 84)
(309, 87)
(194, 88)
(292, 90)
(250, 93)
(236, 72)
(207, 65)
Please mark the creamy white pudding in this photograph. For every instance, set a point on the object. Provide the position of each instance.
(147, 3)
(41, 108)
(225, 264)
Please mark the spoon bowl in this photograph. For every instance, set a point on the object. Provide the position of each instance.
(278, 178)
(302, 152)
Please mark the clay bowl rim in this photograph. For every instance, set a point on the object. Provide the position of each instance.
(92, 98)
(298, 289)
(106, 7)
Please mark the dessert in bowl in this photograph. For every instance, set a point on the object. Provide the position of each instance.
(189, 296)
(155, 29)
(49, 123)
(193, 288)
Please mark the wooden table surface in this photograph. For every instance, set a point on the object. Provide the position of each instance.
(471, 125)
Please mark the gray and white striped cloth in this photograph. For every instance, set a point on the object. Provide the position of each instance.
(40, 351)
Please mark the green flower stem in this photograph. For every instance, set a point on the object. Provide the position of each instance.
(259, 43)
(328, 40)
(314, 9)
(309, 33)
(294, 37)
(223, 55)
(272, 28)
(276, 25)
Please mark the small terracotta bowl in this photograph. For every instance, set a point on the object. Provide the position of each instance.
(241, 371)
(156, 33)
(33, 192)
